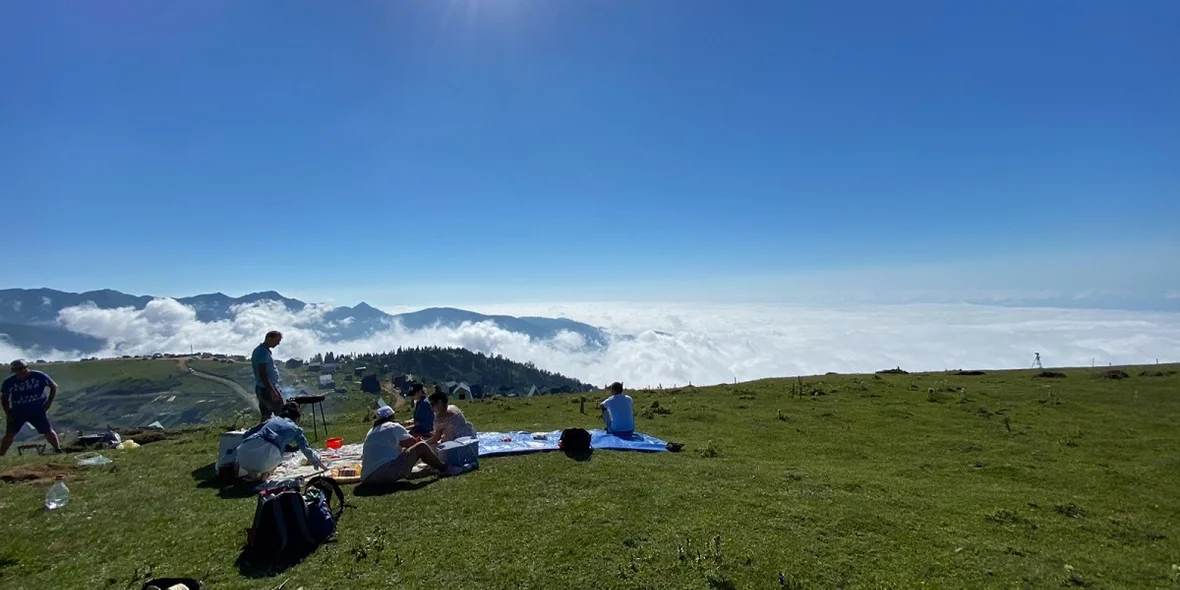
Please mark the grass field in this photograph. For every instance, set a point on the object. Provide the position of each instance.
(127, 393)
(1003, 480)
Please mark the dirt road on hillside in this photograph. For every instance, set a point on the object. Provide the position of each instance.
(248, 397)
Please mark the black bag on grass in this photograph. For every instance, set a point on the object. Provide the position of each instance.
(321, 519)
(288, 522)
(574, 441)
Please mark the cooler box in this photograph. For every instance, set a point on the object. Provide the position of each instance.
(227, 446)
(461, 452)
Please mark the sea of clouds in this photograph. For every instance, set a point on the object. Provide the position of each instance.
(675, 344)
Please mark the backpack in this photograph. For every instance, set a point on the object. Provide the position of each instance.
(321, 519)
(574, 440)
(288, 522)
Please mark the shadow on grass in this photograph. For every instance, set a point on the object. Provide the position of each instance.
(580, 456)
(257, 569)
(368, 489)
(206, 478)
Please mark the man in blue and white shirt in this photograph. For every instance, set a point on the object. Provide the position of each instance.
(24, 401)
(262, 446)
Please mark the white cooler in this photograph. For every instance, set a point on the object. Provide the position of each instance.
(461, 452)
(227, 446)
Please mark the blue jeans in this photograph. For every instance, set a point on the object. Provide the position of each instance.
(606, 426)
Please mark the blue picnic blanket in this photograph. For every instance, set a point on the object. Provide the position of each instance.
(518, 442)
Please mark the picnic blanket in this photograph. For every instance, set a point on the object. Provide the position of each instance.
(518, 442)
(491, 444)
(295, 464)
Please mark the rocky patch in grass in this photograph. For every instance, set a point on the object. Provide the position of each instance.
(37, 473)
(1157, 373)
(1113, 374)
(1050, 375)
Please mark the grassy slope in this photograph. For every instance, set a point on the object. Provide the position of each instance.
(121, 393)
(878, 483)
(240, 373)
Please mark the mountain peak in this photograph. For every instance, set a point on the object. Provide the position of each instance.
(262, 295)
(217, 295)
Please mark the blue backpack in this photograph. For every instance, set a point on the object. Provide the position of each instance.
(321, 519)
(289, 522)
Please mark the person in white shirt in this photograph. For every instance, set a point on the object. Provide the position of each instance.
(618, 412)
(390, 452)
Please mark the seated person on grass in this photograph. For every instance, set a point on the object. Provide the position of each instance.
(618, 412)
(422, 426)
(262, 446)
(390, 453)
(450, 423)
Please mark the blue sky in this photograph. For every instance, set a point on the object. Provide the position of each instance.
(395, 150)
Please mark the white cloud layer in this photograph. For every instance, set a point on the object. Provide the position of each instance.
(682, 343)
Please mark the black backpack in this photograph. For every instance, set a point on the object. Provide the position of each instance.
(289, 522)
(574, 441)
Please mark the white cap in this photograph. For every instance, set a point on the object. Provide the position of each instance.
(385, 412)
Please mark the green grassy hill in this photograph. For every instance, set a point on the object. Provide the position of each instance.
(1004, 480)
(130, 393)
(126, 393)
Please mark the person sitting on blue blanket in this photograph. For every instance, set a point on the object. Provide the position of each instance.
(450, 423)
(618, 412)
(422, 426)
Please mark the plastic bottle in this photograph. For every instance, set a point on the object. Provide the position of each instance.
(58, 494)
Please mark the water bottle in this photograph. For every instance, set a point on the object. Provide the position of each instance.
(58, 494)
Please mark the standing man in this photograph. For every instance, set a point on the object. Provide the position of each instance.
(266, 376)
(24, 401)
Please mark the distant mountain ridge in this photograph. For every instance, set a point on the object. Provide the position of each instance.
(29, 318)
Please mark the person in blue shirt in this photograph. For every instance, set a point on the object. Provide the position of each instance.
(24, 401)
(262, 446)
(422, 426)
(618, 412)
(266, 376)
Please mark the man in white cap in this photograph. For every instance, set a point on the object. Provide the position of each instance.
(23, 397)
(390, 452)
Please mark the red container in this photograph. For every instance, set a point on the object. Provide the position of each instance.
(334, 443)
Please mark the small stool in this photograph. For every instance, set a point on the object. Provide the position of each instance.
(40, 448)
(314, 401)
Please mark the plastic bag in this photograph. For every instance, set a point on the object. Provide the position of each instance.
(92, 459)
(127, 445)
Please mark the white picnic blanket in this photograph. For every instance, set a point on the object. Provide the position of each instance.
(348, 456)
(296, 465)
